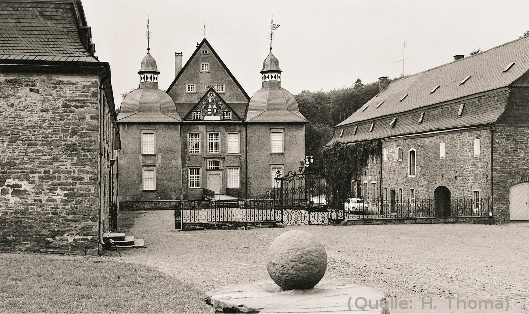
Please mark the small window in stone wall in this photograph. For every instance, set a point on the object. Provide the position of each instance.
(355, 130)
(477, 147)
(399, 154)
(213, 164)
(476, 201)
(442, 150)
(421, 117)
(412, 163)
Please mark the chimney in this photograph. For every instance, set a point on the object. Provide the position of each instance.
(177, 63)
(382, 83)
(458, 57)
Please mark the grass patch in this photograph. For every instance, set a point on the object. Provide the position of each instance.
(43, 283)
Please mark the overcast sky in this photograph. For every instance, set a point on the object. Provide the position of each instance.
(321, 45)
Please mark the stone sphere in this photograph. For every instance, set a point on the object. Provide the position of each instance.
(296, 260)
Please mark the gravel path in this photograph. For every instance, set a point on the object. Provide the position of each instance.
(472, 261)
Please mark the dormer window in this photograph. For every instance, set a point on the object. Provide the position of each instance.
(508, 67)
(433, 90)
(380, 103)
(341, 132)
(464, 80)
(393, 122)
(355, 130)
(372, 126)
(204, 67)
(365, 107)
(460, 111)
(421, 117)
(403, 97)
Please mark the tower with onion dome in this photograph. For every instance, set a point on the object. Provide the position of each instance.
(149, 124)
(275, 129)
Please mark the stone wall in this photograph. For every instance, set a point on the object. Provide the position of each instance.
(49, 158)
(260, 159)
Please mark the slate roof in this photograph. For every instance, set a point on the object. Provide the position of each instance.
(148, 105)
(486, 71)
(52, 30)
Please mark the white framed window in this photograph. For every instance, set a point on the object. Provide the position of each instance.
(196, 115)
(477, 147)
(191, 88)
(193, 143)
(412, 162)
(214, 143)
(194, 177)
(233, 178)
(476, 200)
(276, 171)
(213, 164)
(276, 140)
(442, 151)
(149, 179)
(148, 140)
(204, 67)
(226, 115)
(399, 154)
(220, 88)
(233, 140)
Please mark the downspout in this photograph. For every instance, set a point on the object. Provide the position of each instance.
(101, 138)
(491, 212)
(246, 160)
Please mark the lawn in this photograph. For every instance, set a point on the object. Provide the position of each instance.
(52, 284)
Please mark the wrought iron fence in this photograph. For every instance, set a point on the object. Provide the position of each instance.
(430, 208)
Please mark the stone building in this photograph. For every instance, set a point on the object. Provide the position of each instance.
(457, 131)
(58, 139)
(214, 136)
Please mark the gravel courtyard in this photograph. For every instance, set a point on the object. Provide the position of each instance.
(472, 261)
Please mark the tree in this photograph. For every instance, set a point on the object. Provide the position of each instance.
(525, 34)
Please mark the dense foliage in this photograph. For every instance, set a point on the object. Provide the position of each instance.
(343, 162)
(325, 110)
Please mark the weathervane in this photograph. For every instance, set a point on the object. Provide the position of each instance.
(148, 34)
(204, 30)
(273, 27)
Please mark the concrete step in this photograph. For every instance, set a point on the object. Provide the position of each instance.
(114, 236)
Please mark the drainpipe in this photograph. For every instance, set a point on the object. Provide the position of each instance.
(246, 159)
(491, 212)
(101, 138)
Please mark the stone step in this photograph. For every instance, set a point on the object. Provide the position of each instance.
(136, 243)
(114, 236)
(127, 241)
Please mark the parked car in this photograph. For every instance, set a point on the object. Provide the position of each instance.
(318, 202)
(355, 206)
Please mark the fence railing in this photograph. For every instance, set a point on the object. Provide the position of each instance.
(457, 207)
(302, 212)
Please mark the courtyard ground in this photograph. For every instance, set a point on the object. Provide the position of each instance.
(465, 260)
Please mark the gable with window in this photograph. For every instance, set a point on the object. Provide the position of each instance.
(276, 141)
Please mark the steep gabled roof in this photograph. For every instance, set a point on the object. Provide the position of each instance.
(52, 30)
(493, 69)
(205, 41)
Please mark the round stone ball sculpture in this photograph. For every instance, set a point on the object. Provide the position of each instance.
(296, 260)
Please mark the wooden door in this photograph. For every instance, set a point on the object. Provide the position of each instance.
(518, 202)
(215, 182)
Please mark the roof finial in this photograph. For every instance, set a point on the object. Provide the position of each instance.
(273, 27)
(204, 30)
(148, 34)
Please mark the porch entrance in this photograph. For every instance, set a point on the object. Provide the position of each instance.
(442, 201)
(215, 181)
(518, 202)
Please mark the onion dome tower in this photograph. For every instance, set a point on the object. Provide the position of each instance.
(272, 103)
(148, 103)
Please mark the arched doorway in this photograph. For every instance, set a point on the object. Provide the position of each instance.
(442, 201)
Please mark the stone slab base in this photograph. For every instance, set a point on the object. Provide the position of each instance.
(267, 297)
